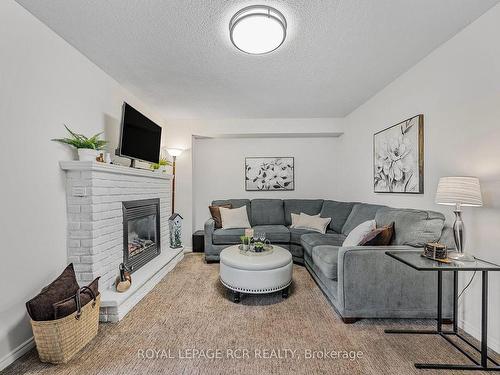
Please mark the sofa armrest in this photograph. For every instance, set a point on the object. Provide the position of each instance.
(369, 280)
(209, 231)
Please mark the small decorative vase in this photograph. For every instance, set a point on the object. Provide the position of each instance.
(87, 154)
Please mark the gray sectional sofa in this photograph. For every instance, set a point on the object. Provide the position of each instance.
(361, 281)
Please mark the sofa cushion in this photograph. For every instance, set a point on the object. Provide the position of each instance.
(360, 213)
(40, 307)
(267, 212)
(357, 235)
(307, 206)
(296, 250)
(381, 236)
(296, 217)
(338, 211)
(234, 218)
(312, 222)
(412, 227)
(326, 259)
(235, 203)
(274, 233)
(68, 306)
(309, 241)
(295, 234)
(227, 236)
(215, 213)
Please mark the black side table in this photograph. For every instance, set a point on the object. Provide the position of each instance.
(199, 241)
(419, 263)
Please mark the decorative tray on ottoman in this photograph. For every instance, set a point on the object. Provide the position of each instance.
(268, 249)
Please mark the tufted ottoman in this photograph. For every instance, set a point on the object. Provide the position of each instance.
(256, 273)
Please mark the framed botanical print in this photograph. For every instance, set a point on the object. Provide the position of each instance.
(398, 158)
(269, 174)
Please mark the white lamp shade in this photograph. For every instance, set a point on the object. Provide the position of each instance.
(464, 191)
(174, 151)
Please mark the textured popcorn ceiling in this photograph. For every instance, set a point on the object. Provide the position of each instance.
(176, 54)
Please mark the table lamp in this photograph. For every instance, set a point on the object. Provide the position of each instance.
(458, 192)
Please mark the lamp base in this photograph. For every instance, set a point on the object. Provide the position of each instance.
(462, 257)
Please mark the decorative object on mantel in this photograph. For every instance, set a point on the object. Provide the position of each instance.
(269, 173)
(458, 192)
(398, 157)
(88, 148)
(174, 152)
(163, 163)
(175, 228)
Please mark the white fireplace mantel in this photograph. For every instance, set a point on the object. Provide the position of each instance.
(111, 168)
(94, 195)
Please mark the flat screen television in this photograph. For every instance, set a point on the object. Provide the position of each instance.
(139, 137)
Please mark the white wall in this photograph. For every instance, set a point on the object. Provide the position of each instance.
(457, 88)
(44, 82)
(218, 169)
(180, 135)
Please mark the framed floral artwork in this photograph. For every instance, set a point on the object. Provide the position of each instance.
(269, 174)
(398, 158)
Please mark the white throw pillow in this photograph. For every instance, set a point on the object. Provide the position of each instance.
(234, 217)
(295, 219)
(312, 223)
(357, 235)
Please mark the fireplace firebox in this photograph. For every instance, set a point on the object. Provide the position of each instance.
(141, 232)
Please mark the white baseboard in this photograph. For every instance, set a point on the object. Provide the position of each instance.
(17, 353)
(188, 249)
(493, 343)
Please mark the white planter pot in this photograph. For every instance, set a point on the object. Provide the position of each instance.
(87, 154)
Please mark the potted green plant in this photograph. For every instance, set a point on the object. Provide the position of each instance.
(162, 164)
(88, 148)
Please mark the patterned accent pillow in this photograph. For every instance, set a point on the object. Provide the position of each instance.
(215, 212)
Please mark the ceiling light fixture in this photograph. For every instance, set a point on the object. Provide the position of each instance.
(257, 29)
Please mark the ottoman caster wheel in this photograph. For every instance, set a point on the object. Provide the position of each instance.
(236, 297)
(284, 293)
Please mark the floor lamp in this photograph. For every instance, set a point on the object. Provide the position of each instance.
(174, 152)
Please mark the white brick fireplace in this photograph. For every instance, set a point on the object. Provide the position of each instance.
(95, 193)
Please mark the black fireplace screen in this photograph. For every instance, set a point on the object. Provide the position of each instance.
(141, 232)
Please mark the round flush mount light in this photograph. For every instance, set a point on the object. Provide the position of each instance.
(257, 29)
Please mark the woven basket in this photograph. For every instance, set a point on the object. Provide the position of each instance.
(57, 341)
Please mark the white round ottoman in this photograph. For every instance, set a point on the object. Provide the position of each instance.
(256, 273)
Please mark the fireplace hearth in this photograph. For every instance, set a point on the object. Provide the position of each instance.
(141, 232)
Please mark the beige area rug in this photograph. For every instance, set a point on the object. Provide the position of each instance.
(188, 325)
